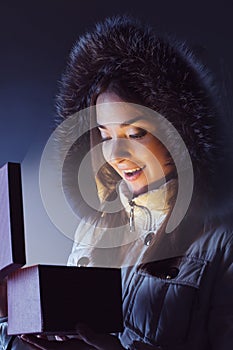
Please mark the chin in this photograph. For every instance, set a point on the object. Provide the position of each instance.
(137, 191)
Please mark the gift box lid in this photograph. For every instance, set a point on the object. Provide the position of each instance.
(12, 241)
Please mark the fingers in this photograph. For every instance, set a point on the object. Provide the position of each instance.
(61, 338)
(98, 341)
(38, 342)
(86, 333)
(137, 345)
(88, 340)
(43, 343)
(31, 341)
(52, 337)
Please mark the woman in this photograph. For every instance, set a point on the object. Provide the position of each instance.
(151, 102)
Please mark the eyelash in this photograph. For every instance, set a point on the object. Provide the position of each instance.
(136, 136)
(105, 139)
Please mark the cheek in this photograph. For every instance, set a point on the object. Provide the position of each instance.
(154, 166)
(155, 157)
(157, 150)
(149, 152)
(107, 150)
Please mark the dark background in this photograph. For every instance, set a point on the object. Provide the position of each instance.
(35, 39)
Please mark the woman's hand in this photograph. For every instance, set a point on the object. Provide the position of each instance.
(89, 340)
(44, 344)
(98, 341)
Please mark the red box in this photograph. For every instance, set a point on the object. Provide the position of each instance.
(46, 298)
(54, 299)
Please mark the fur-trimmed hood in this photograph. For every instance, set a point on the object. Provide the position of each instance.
(168, 79)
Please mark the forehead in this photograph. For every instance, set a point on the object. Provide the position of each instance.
(115, 112)
(111, 109)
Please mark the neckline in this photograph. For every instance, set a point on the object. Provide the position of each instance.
(160, 198)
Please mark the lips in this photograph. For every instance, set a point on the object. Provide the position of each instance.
(133, 174)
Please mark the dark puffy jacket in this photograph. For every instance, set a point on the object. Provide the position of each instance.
(184, 302)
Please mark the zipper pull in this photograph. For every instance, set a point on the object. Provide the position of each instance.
(131, 217)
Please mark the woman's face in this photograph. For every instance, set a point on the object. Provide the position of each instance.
(129, 145)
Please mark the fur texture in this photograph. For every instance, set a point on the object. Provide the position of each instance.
(167, 78)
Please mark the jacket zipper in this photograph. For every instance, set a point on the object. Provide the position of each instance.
(131, 216)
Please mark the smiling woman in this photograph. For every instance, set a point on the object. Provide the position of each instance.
(153, 135)
(129, 144)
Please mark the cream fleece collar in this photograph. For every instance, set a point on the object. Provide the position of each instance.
(159, 199)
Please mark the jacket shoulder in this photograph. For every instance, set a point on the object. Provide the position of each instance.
(215, 242)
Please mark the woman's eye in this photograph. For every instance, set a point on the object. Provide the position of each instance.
(138, 135)
(105, 138)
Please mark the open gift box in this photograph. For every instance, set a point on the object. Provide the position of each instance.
(50, 299)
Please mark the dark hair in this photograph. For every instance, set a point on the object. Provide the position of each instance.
(126, 57)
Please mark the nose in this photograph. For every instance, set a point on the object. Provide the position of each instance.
(116, 149)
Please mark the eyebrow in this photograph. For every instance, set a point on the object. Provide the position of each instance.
(124, 124)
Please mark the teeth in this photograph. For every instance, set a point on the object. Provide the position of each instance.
(131, 171)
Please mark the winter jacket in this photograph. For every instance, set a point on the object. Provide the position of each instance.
(180, 295)
(185, 302)
(178, 302)
(9, 342)
(124, 246)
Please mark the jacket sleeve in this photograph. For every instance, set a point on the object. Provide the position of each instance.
(221, 311)
(5, 339)
(8, 342)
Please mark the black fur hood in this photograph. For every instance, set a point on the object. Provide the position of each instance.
(168, 79)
